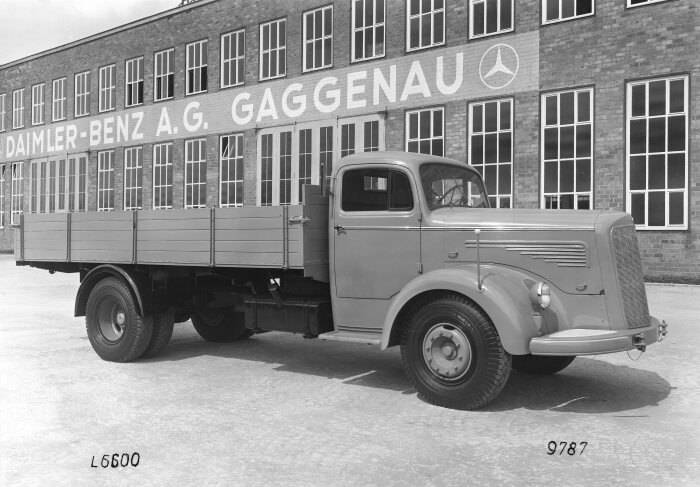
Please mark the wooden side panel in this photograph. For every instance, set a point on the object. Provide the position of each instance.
(45, 237)
(249, 237)
(176, 237)
(315, 242)
(102, 237)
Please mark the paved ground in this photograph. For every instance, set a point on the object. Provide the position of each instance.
(280, 410)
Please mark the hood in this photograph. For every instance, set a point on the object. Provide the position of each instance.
(515, 219)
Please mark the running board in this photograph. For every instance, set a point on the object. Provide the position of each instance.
(353, 336)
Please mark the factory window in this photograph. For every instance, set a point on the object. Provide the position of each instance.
(368, 29)
(318, 38)
(360, 134)
(567, 141)
(196, 173)
(2, 196)
(38, 104)
(3, 111)
(108, 92)
(231, 171)
(47, 185)
(488, 17)
(77, 182)
(233, 58)
(16, 195)
(425, 131)
(273, 49)
(82, 94)
(134, 82)
(491, 148)
(58, 105)
(657, 153)
(164, 78)
(197, 64)
(18, 109)
(558, 10)
(133, 174)
(638, 3)
(426, 23)
(105, 181)
(162, 176)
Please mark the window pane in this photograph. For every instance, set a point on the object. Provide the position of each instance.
(551, 109)
(584, 7)
(492, 16)
(504, 147)
(677, 98)
(676, 133)
(657, 209)
(504, 179)
(505, 115)
(551, 175)
(638, 136)
(657, 172)
(551, 143)
(478, 19)
(675, 208)
(491, 117)
(639, 101)
(566, 107)
(477, 115)
(583, 175)
(491, 147)
(583, 140)
(566, 176)
(676, 171)
(477, 149)
(638, 172)
(657, 98)
(584, 106)
(638, 212)
(567, 142)
(657, 134)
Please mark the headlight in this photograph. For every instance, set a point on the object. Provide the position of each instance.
(539, 295)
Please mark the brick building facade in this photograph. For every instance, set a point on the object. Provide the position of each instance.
(560, 103)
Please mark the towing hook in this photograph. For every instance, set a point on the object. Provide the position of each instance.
(663, 330)
(639, 342)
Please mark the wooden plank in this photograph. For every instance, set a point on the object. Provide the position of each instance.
(174, 245)
(179, 234)
(249, 246)
(249, 212)
(51, 244)
(178, 215)
(44, 255)
(89, 244)
(99, 255)
(249, 224)
(102, 236)
(175, 258)
(189, 224)
(248, 235)
(238, 259)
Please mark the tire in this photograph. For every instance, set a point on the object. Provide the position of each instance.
(540, 364)
(162, 332)
(224, 325)
(451, 331)
(116, 331)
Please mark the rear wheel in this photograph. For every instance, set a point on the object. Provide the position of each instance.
(220, 325)
(540, 364)
(453, 355)
(162, 332)
(116, 332)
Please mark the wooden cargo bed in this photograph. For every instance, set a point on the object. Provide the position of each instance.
(286, 237)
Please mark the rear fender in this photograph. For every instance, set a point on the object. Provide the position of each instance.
(97, 274)
(504, 296)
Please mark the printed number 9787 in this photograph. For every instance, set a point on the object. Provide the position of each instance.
(563, 446)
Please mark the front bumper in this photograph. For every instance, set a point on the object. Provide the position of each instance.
(582, 341)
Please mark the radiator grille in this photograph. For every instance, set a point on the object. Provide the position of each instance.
(630, 277)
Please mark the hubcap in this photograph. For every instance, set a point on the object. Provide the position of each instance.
(447, 351)
(111, 319)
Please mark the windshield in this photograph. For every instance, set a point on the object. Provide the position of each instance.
(450, 186)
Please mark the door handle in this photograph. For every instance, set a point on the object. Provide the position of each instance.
(339, 228)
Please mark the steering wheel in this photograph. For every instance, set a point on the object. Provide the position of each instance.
(449, 192)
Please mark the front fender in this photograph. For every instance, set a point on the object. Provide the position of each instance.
(504, 296)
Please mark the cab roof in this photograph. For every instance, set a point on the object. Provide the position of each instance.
(410, 160)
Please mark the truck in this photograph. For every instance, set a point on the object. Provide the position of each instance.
(394, 249)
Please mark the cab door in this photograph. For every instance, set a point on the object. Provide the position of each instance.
(376, 232)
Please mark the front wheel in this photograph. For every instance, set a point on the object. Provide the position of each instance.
(452, 354)
(540, 364)
(116, 331)
(221, 325)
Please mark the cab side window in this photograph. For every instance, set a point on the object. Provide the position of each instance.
(376, 190)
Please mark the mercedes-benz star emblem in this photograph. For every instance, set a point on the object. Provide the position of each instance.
(498, 66)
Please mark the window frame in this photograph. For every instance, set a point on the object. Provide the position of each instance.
(189, 165)
(109, 91)
(134, 86)
(3, 111)
(232, 61)
(364, 28)
(543, 7)
(202, 69)
(239, 139)
(500, 30)
(138, 188)
(470, 134)
(276, 49)
(84, 96)
(18, 110)
(16, 193)
(39, 105)
(390, 170)
(628, 4)
(543, 126)
(432, 23)
(407, 132)
(168, 170)
(168, 61)
(105, 189)
(324, 35)
(58, 102)
(667, 191)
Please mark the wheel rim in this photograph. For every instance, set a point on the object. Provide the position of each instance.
(447, 352)
(111, 319)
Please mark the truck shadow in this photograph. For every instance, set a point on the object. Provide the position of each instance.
(588, 385)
